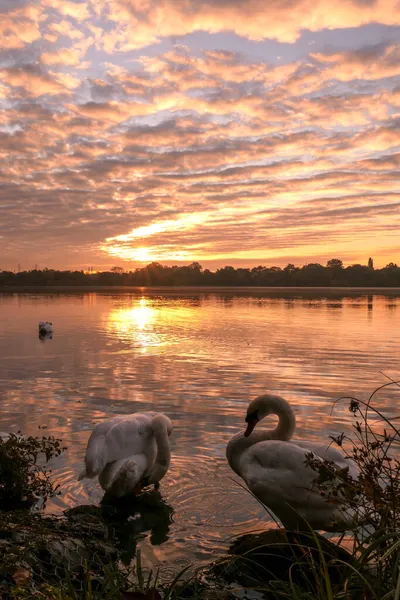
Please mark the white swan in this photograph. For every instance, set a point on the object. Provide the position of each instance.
(274, 469)
(45, 327)
(128, 452)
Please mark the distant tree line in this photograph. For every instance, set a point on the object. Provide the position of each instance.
(334, 274)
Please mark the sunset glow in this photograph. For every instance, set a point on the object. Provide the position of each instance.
(220, 132)
(139, 316)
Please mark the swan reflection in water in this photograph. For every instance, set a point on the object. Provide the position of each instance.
(45, 335)
(131, 517)
(128, 519)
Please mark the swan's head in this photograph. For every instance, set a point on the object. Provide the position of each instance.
(265, 405)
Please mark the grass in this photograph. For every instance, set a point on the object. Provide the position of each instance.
(77, 557)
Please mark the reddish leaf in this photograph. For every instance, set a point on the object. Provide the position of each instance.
(22, 577)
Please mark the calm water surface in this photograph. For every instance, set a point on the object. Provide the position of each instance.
(199, 358)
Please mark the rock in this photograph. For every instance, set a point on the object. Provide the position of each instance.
(68, 552)
(280, 555)
(20, 536)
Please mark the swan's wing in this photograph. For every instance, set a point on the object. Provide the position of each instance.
(328, 452)
(276, 473)
(103, 428)
(277, 465)
(120, 477)
(117, 438)
(129, 436)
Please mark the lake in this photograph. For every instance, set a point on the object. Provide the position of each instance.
(200, 357)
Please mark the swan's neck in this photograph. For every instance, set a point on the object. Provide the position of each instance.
(287, 421)
(283, 431)
(239, 444)
(163, 457)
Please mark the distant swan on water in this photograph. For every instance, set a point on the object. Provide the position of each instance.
(45, 327)
(274, 469)
(129, 452)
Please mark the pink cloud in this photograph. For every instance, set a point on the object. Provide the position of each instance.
(252, 19)
(31, 80)
(65, 56)
(81, 11)
(20, 27)
(368, 64)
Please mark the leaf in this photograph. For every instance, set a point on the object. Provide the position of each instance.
(22, 577)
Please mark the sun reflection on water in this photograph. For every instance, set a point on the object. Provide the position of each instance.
(136, 323)
(141, 315)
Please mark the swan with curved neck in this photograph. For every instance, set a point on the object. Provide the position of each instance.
(274, 468)
(129, 452)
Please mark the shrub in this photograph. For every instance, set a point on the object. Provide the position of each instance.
(374, 496)
(23, 479)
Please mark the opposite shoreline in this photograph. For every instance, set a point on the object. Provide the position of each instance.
(202, 289)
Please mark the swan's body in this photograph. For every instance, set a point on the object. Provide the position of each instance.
(128, 452)
(274, 469)
(45, 327)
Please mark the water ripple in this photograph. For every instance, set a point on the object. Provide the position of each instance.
(200, 358)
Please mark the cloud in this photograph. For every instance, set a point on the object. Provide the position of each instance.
(80, 11)
(67, 29)
(19, 26)
(32, 81)
(109, 147)
(368, 63)
(65, 56)
(253, 19)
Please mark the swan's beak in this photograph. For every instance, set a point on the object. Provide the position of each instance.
(251, 423)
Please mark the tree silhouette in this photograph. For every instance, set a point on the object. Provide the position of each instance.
(156, 274)
(335, 263)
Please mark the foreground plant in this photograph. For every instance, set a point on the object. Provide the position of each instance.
(374, 497)
(24, 480)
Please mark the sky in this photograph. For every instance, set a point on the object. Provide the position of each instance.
(227, 132)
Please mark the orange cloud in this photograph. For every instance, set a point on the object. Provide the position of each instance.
(32, 81)
(65, 56)
(65, 28)
(253, 19)
(368, 64)
(20, 27)
(80, 11)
